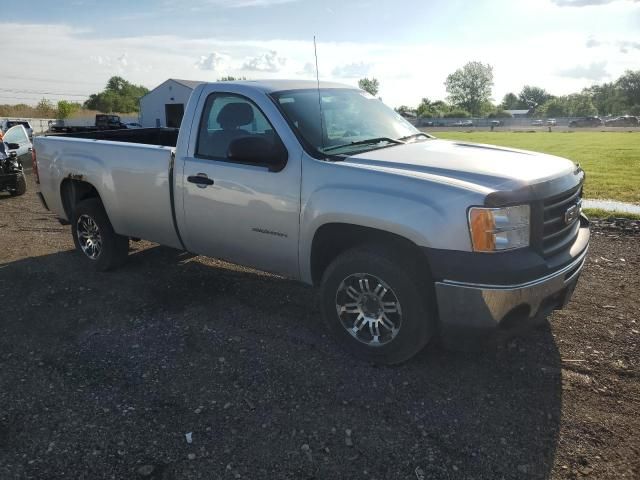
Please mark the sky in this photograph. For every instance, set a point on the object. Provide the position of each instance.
(69, 49)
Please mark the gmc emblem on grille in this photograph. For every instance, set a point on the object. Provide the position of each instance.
(571, 214)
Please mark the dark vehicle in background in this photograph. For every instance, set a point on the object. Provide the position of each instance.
(7, 124)
(496, 123)
(623, 121)
(103, 122)
(15, 150)
(586, 122)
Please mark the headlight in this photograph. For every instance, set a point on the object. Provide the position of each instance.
(496, 229)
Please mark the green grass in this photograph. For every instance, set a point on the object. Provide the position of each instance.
(611, 160)
(600, 213)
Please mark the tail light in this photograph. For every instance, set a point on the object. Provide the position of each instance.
(34, 165)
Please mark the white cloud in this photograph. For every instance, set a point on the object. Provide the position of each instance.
(309, 70)
(407, 72)
(267, 62)
(626, 45)
(173, 4)
(352, 70)
(593, 71)
(592, 43)
(583, 3)
(215, 62)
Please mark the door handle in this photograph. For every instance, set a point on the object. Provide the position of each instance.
(201, 180)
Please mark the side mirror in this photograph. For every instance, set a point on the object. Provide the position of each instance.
(13, 146)
(13, 154)
(258, 151)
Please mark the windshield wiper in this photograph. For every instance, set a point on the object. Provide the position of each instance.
(368, 141)
(415, 135)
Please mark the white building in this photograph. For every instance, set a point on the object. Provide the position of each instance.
(164, 105)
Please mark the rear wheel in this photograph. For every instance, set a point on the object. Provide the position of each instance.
(378, 305)
(94, 237)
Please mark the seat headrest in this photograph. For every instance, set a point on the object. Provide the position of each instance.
(234, 115)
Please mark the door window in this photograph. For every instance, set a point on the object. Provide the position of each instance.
(17, 135)
(227, 117)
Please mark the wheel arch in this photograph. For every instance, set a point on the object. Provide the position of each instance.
(73, 191)
(332, 239)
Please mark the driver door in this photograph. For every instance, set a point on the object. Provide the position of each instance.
(245, 213)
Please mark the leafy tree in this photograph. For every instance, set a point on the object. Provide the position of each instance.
(66, 109)
(457, 113)
(532, 97)
(499, 113)
(556, 107)
(118, 96)
(574, 105)
(403, 109)
(469, 87)
(511, 102)
(580, 105)
(607, 98)
(45, 109)
(629, 85)
(370, 85)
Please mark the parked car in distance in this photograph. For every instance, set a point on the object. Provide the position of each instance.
(586, 122)
(496, 123)
(7, 124)
(623, 121)
(404, 234)
(462, 123)
(15, 151)
(536, 123)
(132, 125)
(551, 122)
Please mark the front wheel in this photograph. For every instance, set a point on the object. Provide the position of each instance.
(95, 238)
(21, 186)
(378, 305)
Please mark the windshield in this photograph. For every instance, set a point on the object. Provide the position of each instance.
(351, 120)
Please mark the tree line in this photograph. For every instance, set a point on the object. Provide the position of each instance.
(469, 94)
(119, 95)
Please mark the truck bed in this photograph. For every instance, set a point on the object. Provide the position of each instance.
(132, 170)
(166, 137)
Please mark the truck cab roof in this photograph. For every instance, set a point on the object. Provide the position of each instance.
(269, 86)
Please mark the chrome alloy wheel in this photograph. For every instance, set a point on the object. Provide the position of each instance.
(368, 309)
(89, 236)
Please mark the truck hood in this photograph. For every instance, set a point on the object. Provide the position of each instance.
(468, 164)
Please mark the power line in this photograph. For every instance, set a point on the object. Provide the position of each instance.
(50, 81)
(33, 92)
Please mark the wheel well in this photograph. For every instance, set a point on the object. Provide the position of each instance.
(73, 192)
(332, 239)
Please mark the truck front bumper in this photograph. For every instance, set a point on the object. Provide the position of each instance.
(464, 306)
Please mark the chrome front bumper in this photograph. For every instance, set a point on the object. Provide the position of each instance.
(467, 306)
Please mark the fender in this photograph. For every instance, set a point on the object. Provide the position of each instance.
(419, 218)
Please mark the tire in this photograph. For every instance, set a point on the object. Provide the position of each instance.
(379, 275)
(21, 186)
(102, 248)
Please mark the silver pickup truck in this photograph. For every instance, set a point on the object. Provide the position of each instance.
(407, 236)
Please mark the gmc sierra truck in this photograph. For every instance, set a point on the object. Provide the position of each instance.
(406, 235)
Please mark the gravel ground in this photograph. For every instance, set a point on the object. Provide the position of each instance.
(104, 375)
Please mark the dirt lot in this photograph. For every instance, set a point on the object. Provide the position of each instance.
(102, 375)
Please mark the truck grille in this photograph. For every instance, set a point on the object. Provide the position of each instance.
(561, 221)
